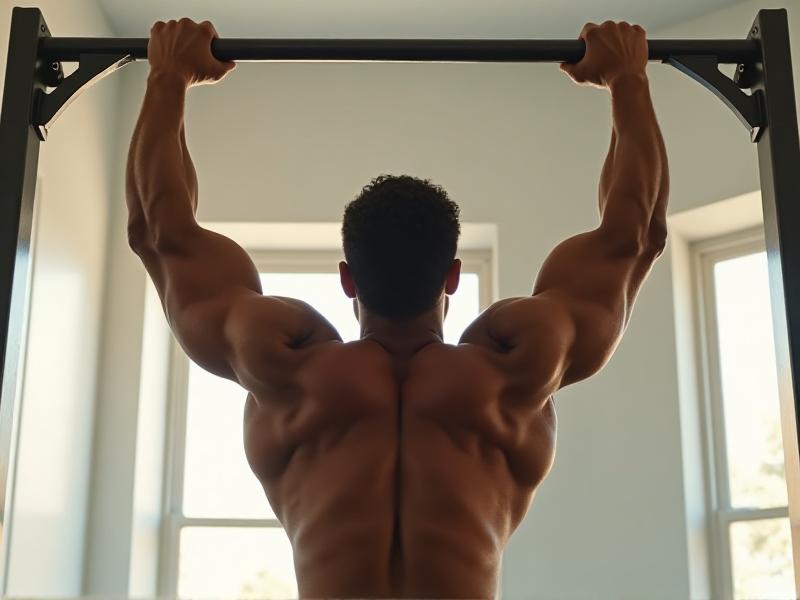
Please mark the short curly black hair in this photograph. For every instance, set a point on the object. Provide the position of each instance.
(400, 236)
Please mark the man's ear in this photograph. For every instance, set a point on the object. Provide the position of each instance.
(346, 279)
(453, 277)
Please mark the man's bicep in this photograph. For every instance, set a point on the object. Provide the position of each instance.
(587, 266)
(198, 266)
(552, 340)
(533, 334)
(595, 279)
(570, 326)
(199, 328)
(266, 336)
(249, 338)
(199, 276)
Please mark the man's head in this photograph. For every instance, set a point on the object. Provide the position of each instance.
(400, 237)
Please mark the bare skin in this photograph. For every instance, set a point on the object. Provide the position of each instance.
(399, 465)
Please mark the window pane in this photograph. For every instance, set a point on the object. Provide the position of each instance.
(218, 481)
(749, 383)
(761, 552)
(223, 562)
(464, 307)
(322, 291)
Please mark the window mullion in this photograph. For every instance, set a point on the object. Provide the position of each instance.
(181, 399)
(168, 565)
(724, 563)
(722, 491)
(173, 484)
(225, 522)
(733, 515)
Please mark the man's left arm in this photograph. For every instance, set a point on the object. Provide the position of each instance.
(209, 287)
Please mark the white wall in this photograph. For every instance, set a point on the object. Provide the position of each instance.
(47, 517)
(109, 541)
(514, 144)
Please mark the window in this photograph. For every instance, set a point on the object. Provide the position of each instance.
(751, 543)
(221, 539)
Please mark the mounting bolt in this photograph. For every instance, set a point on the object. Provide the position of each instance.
(755, 30)
(54, 66)
(42, 28)
(740, 68)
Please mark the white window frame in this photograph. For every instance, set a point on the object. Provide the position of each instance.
(722, 515)
(473, 261)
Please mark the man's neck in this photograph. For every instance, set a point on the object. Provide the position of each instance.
(402, 337)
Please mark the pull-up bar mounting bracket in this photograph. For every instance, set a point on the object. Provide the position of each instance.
(91, 68)
(705, 70)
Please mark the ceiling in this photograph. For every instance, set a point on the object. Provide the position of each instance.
(402, 18)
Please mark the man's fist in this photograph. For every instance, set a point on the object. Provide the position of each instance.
(612, 50)
(183, 48)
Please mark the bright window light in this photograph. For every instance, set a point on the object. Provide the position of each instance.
(749, 383)
(762, 559)
(753, 499)
(235, 562)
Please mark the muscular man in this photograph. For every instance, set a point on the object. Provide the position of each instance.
(399, 465)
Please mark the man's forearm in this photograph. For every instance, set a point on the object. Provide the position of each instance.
(635, 178)
(161, 184)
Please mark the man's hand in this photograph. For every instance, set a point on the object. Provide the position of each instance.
(613, 50)
(183, 48)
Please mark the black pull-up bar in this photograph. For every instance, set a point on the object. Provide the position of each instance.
(725, 51)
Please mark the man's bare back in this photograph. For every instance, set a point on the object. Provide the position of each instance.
(400, 487)
(399, 465)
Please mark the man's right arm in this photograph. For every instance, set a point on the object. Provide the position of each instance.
(583, 297)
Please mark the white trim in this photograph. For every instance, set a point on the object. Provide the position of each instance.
(219, 522)
(704, 255)
(734, 515)
(173, 472)
(717, 542)
(730, 245)
(718, 219)
(715, 431)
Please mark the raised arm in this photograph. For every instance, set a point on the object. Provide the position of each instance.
(208, 285)
(584, 294)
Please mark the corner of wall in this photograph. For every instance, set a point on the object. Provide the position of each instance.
(692, 428)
